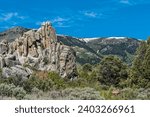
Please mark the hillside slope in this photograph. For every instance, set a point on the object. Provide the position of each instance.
(88, 50)
(13, 33)
(123, 47)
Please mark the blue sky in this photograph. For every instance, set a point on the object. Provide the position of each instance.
(80, 18)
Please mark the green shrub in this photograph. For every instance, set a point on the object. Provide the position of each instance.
(30, 83)
(127, 94)
(53, 81)
(6, 89)
(19, 93)
(58, 82)
(45, 85)
(17, 81)
(143, 94)
(10, 90)
(87, 67)
(78, 94)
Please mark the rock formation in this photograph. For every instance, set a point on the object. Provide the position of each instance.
(38, 49)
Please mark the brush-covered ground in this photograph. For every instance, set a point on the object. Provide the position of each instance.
(110, 79)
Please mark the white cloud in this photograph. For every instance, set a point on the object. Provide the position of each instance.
(133, 2)
(60, 22)
(10, 15)
(90, 14)
(59, 19)
(21, 17)
(61, 25)
(125, 2)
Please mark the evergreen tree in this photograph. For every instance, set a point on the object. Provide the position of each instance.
(112, 71)
(140, 71)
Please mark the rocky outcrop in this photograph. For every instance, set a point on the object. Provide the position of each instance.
(40, 50)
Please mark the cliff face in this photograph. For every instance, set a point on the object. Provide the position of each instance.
(40, 50)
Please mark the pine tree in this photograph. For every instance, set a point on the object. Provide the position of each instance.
(112, 71)
(140, 71)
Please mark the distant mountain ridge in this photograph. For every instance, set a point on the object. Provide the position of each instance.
(89, 50)
(124, 47)
(13, 33)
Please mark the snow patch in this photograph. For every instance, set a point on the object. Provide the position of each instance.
(116, 37)
(88, 39)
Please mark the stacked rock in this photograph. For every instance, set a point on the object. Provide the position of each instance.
(39, 49)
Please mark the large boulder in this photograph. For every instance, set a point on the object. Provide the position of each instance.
(16, 71)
